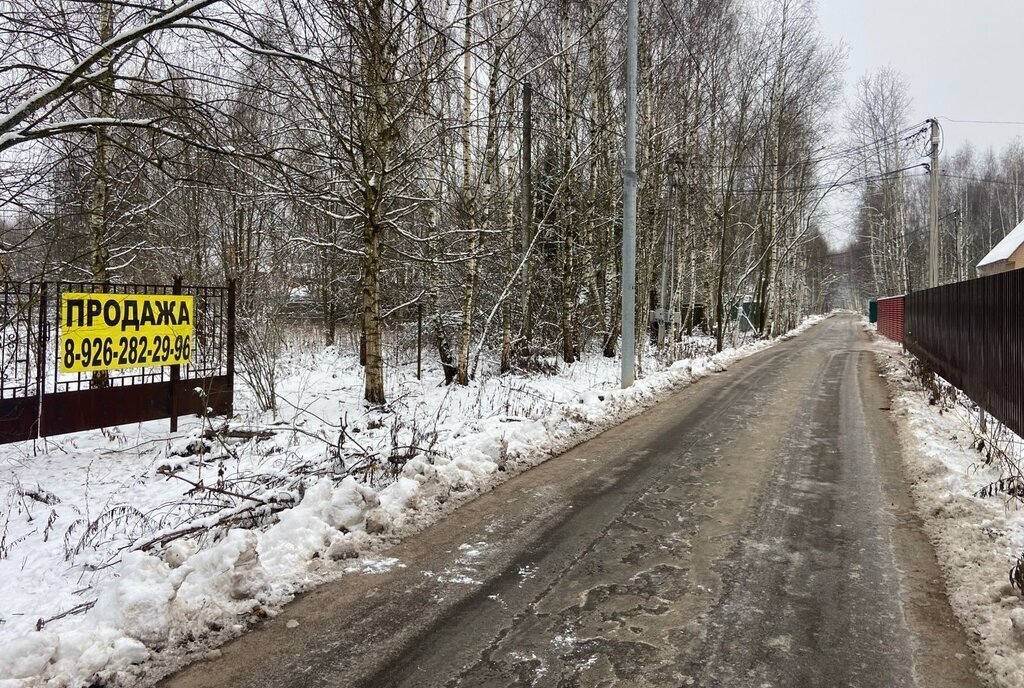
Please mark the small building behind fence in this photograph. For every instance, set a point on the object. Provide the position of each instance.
(1007, 255)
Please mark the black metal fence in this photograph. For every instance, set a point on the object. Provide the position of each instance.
(38, 400)
(972, 334)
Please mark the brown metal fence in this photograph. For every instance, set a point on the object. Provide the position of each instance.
(22, 359)
(972, 334)
(37, 400)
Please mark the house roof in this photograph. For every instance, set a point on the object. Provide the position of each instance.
(1005, 248)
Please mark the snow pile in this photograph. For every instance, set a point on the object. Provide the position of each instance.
(977, 539)
(83, 604)
(145, 606)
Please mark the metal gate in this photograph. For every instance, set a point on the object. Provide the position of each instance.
(37, 400)
(890, 317)
(22, 359)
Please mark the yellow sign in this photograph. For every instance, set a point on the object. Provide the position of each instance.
(112, 331)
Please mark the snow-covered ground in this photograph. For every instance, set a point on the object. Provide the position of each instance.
(977, 539)
(129, 551)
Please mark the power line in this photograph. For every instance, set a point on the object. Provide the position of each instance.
(826, 186)
(905, 134)
(521, 81)
(838, 155)
(841, 154)
(984, 121)
(682, 39)
(1006, 182)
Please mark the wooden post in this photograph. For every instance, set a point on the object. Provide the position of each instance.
(231, 346)
(41, 354)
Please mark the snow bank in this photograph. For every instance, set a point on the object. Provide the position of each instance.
(139, 614)
(976, 539)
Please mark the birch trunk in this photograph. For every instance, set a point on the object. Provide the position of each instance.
(469, 208)
(568, 283)
(98, 202)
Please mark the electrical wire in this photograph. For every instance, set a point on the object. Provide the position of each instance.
(983, 121)
(839, 155)
(980, 180)
(828, 186)
(905, 134)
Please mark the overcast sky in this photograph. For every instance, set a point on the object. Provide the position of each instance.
(961, 58)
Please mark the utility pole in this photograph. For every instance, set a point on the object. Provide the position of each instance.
(629, 203)
(933, 238)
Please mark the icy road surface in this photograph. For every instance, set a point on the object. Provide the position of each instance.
(753, 530)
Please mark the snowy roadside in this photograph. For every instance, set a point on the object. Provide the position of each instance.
(977, 539)
(128, 552)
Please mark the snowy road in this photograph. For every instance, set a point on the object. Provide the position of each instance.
(752, 530)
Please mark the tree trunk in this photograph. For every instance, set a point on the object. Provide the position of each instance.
(373, 389)
(506, 306)
(444, 350)
(569, 283)
(98, 202)
(469, 210)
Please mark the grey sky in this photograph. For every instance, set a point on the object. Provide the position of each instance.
(961, 58)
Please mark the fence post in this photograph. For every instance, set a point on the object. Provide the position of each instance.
(175, 369)
(419, 341)
(41, 354)
(231, 345)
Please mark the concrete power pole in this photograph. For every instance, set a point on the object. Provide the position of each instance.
(629, 204)
(933, 238)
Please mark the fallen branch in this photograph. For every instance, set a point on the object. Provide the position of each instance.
(84, 607)
(270, 506)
